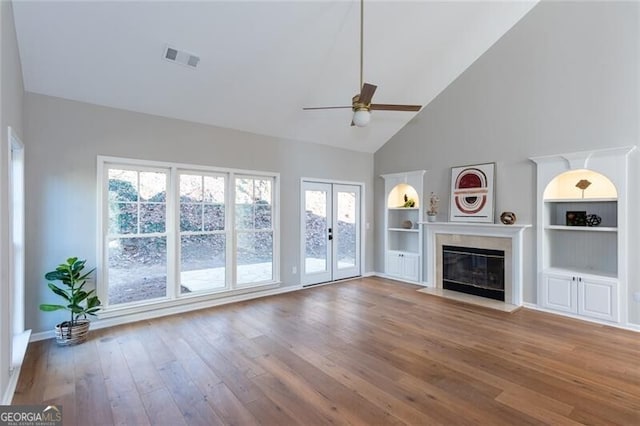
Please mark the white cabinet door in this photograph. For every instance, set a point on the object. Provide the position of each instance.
(559, 292)
(410, 266)
(598, 298)
(403, 265)
(393, 265)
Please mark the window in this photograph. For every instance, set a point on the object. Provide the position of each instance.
(203, 238)
(16, 253)
(137, 234)
(254, 229)
(168, 231)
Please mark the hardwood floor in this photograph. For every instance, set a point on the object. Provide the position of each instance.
(368, 351)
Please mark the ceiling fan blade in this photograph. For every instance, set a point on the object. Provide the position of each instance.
(367, 93)
(391, 107)
(327, 107)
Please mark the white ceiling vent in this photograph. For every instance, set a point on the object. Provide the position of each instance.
(181, 57)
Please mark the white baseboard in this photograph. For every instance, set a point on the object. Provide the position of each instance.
(388, 277)
(628, 326)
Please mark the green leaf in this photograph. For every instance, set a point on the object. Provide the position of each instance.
(50, 308)
(93, 302)
(80, 296)
(60, 292)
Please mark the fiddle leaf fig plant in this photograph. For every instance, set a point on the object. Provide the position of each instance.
(79, 302)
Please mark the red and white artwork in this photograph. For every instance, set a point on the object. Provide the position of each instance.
(472, 193)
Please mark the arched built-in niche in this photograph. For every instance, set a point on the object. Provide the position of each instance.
(396, 195)
(582, 234)
(402, 233)
(566, 186)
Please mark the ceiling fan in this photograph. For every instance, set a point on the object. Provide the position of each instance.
(361, 102)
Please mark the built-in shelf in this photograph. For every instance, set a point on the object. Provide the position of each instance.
(404, 230)
(403, 208)
(583, 270)
(580, 200)
(402, 237)
(582, 228)
(580, 271)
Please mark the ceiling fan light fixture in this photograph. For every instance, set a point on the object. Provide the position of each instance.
(361, 117)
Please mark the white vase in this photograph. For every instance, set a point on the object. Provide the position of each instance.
(431, 217)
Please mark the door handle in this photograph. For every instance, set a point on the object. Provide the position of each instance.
(330, 232)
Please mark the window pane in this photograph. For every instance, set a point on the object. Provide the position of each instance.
(253, 203)
(123, 218)
(191, 217)
(244, 191)
(137, 269)
(190, 188)
(123, 185)
(214, 189)
(262, 190)
(214, 217)
(254, 257)
(262, 215)
(346, 232)
(244, 216)
(153, 186)
(316, 231)
(152, 217)
(202, 262)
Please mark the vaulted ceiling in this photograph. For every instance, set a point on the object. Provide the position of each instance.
(261, 62)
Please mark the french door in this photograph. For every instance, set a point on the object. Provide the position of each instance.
(330, 230)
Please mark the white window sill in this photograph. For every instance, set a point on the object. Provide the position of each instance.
(138, 307)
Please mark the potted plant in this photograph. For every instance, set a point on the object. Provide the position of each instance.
(80, 303)
(433, 207)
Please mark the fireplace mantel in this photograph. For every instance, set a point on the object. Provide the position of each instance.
(486, 229)
(512, 232)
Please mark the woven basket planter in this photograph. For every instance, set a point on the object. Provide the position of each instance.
(72, 335)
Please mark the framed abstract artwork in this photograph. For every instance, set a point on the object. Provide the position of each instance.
(472, 193)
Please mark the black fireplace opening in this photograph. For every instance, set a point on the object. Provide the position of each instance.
(473, 271)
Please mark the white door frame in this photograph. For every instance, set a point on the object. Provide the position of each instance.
(361, 231)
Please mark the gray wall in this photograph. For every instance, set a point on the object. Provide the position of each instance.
(563, 79)
(11, 97)
(66, 136)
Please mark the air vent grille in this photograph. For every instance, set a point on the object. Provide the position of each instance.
(181, 57)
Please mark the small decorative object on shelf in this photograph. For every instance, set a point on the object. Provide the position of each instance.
(593, 220)
(433, 207)
(583, 184)
(508, 218)
(576, 218)
(407, 224)
(409, 202)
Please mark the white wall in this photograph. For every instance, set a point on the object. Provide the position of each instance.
(66, 136)
(565, 78)
(11, 97)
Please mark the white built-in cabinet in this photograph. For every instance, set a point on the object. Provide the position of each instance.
(402, 234)
(581, 294)
(582, 269)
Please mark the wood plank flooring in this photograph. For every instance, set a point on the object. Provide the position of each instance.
(368, 351)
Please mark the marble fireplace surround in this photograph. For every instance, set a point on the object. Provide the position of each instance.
(508, 238)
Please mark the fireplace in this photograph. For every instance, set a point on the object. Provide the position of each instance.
(473, 270)
(487, 236)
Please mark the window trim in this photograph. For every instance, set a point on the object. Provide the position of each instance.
(174, 297)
